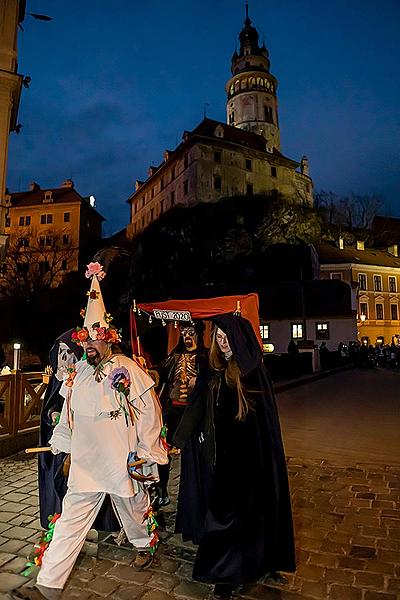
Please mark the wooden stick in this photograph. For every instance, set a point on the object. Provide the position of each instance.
(137, 463)
(40, 449)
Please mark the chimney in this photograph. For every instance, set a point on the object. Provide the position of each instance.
(138, 184)
(340, 243)
(360, 245)
(168, 154)
(152, 170)
(34, 186)
(394, 250)
(68, 183)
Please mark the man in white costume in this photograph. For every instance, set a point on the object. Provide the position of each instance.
(110, 410)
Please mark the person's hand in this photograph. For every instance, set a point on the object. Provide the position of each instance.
(55, 417)
(174, 450)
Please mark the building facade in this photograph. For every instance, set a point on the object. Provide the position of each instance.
(374, 277)
(11, 13)
(218, 160)
(53, 223)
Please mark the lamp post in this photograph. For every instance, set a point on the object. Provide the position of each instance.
(360, 319)
(17, 357)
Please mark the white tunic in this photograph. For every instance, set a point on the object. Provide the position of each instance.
(98, 444)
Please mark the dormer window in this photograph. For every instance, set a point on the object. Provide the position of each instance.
(48, 196)
(219, 131)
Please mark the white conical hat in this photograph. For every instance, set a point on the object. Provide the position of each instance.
(95, 310)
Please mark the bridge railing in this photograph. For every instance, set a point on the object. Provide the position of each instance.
(21, 398)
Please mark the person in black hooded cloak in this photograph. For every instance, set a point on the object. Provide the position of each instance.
(233, 460)
(52, 480)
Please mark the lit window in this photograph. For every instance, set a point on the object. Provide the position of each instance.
(297, 331)
(264, 332)
(336, 276)
(322, 331)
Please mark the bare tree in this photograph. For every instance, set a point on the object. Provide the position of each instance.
(353, 212)
(34, 263)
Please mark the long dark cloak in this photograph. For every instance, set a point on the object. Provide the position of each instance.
(52, 482)
(244, 526)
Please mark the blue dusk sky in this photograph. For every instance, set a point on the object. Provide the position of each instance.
(116, 83)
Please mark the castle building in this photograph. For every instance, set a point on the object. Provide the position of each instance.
(53, 222)
(239, 158)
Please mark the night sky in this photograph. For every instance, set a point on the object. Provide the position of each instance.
(116, 83)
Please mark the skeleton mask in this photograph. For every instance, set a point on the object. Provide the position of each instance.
(189, 336)
(65, 359)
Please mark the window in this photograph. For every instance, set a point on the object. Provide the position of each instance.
(21, 221)
(162, 206)
(273, 171)
(217, 156)
(173, 174)
(65, 239)
(377, 283)
(41, 240)
(151, 214)
(27, 220)
(44, 266)
(172, 198)
(49, 240)
(67, 217)
(364, 309)
(249, 189)
(185, 187)
(394, 312)
(64, 265)
(322, 331)
(268, 114)
(392, 284)
(264, 332)
(162, 183)
(217, 182)
(336, 276)
(46, 219)
(379, 312)
(152, 192)
(25, 242)
(248, 164)
(8, 222)
(362, 281)
(185, 162)
(297, 331)
(231, 118)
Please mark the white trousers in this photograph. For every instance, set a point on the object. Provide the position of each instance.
(78, 514)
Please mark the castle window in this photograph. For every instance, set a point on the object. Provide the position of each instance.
(162, 183)
(152, 192)
(273, 171)
(231, 118)
(46, 219)
(249, 166)
(67, 216)
(151, 214)
(185, 161)
(173, 174)
(172, 198)
(249, 189)
(162, 206)
(64, 265)
(217, 156)
(185, 187)
(268, 117)
(21, 221)
(217, 182)
(252, 82)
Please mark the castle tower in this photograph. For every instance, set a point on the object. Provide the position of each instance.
(252, 102)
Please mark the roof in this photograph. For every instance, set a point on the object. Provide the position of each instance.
(386, 228)
(329, 254)
(35, 197)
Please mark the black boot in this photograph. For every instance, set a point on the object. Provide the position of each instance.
(223, 591)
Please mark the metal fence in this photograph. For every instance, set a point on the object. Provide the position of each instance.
(21, 398)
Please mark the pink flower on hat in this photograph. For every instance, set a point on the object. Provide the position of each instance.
(95, 268)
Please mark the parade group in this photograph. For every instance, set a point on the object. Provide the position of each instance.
(110, 425)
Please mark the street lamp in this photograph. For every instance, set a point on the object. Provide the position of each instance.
(17, 357)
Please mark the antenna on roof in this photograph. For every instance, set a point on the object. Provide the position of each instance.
(205, 109)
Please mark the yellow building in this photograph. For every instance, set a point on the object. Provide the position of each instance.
(53, 224)
(374, 275)
(218, 160)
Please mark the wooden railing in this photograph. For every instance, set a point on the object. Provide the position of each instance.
(21, 398)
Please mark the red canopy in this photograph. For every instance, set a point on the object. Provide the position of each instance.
(205, 308)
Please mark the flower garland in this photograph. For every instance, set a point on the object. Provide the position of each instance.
(151, 526)
(110, 335)
(35, 560)
(163, 438)
(120, 382)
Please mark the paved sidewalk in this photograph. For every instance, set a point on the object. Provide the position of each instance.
(347, 522)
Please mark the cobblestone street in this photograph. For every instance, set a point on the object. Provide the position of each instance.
(347, 522)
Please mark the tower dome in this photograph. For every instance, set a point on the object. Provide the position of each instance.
(251, 92)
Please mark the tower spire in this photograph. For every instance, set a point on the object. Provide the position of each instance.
(247, 21)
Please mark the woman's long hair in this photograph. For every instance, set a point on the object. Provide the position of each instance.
(233, 376)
